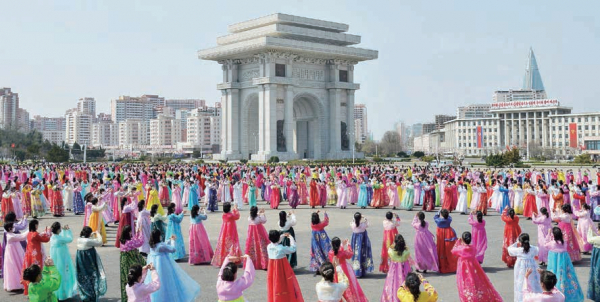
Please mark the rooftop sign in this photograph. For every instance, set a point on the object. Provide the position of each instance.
(525, 104)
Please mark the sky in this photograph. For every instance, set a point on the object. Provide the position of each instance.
(432, 58)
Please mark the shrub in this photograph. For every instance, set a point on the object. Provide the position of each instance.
(419, 154)
(377, 159)
(428, 158)
(273, 159)
(584, 158)
(243, 161)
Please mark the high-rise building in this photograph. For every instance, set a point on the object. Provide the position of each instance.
(78, 127)
(142, 108)
(474, 111)
(23, 121)
(360, 115)
(87, 105)
(52, 128)
(429, 127)
(134, 133)
(165, 131)
(440, 119)
(105, 133)
(9, 105)
(416, 130)
(188, 104)
(532, 79)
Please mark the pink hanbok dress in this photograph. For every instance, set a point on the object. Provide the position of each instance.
(257, 242)
(479, 237)
(14, 255)
(570, 236)
(399, 268)
(426, 257)
(200, 248)
(583, 224)
(472, 282)
(177, 199)
(544, 224)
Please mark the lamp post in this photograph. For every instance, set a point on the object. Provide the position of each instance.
(352, 133)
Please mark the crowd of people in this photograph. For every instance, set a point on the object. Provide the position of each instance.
(149, 202)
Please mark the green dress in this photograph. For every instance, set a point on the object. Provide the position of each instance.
(43, 291)
(130, 256)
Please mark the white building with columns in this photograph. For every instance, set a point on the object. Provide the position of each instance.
(288, 83)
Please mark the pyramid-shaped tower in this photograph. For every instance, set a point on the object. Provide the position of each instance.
(533, 79)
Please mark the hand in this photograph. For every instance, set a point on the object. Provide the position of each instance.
(173, 237)
(528, 272)
(49, 262)
(233, 258)
(245, 257)
(346, 242)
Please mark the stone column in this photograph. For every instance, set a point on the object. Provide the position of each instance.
(335, 130)
(224, 122)
(261, 119)
(350, 119)
(289, 119)
(233, 121)
(270, 119)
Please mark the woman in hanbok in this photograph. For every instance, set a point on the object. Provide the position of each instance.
(479, 235)
(314, 198)
(446, 238)
(362, 260)
(518, 198)
(593, 292)
(408, 199)
(59, 252)
(583, 224)
(323, 193)
(529, 203)
(462, 199)
(293, 199)
(176, 284)
(410, 291)
(42, 284)
(177, 198)
(137, 289)
(237, 194)
(251, 194)
(157, 220)
(96, 220)
(547, 282)
(163, 193)
(14, 256)
(129, 255)
(287, 221)
(144, 226)
(362, 195)
(34, 253)
(429, 197)
(126, 218)
(78, 206)
(343, 253)
(257, 239)
(26, 199)
(472, 282)
(393, 194)
(390, 230)
(230, 288)
(185, 196)
(212, 197)
(302, 190)
(58, 207)
(332, 193)
(559, 262)
(327, 289)
(399, 268)
(200, 249)
(544, 224)
(320, 245)
(426, 257)
(377, 200)
(282, 285)
(91, 279)
(512, 230)
(570, 235)
(275, 195)
(228, 243)
(153, 200)
(174, 229)
(526, 255)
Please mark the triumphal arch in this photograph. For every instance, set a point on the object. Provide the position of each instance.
(288, 88)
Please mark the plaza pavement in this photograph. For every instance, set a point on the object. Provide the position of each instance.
(372, 285)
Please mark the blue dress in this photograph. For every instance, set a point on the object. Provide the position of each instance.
(212, 200)
(505, 199)
(560, 264)
(78, 206)
(175, 283)
(362, 196)
(320, 245)
(193, 199)
(174, 228)
(362, 260)
(59, 252)
(594, 280)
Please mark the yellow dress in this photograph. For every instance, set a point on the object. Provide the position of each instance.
(429, 295)
(140, 188)
(152, 200)
(96, 222)
(469, 194)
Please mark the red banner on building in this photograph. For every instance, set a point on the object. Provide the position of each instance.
(573, 135)
(479, 137)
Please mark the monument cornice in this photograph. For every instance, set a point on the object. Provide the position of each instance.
(342, 85)
(292, 32)
(253, 47)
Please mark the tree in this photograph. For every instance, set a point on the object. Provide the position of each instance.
(76, 147)
(57, 155)
(368, 147)
(419, 154)
(512, 156)
(390, 143)
(402, 154)
(495, 160)
(584, 158)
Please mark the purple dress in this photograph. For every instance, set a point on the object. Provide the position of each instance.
(544, 224)
(399, 268)
(479, 241)
(426, 257)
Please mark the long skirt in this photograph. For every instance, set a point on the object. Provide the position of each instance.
(91, 278)
(282, 285)
(159, 225)
(530, 206)
(446, 238)
(594, 281)
(200, 249)
(293, 257)
(129, 259)
(320, 245)
(212, 200)
(175, 283)
(570, 240)
(394, 280)
(388, 240)
(78, 207)
(426, 257)
(293, 198)
(560, 264)
(256, 246)
(362, 260)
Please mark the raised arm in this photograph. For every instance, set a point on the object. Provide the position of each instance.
(247, 279)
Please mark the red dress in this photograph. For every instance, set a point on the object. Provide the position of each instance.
(354, 292)
(282, 285)
(529, 207)
(228, 243)
(314, 194)
(58, 207)
(512, 230)
(275, 197)
(33, 253)
(472, 282)
(446, 238)
(389, 235)
(447, 203)
(7, 205)
(257, 241)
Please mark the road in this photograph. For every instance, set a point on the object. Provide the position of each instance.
(206, 275)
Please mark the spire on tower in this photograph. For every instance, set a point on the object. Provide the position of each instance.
(533, 79)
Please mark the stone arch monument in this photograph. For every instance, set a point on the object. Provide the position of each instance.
(288, 88)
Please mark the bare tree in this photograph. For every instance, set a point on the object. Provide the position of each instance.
(390, 143)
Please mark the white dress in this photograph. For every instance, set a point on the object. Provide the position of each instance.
(525, 261)
(237, 195)
(461, 206)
